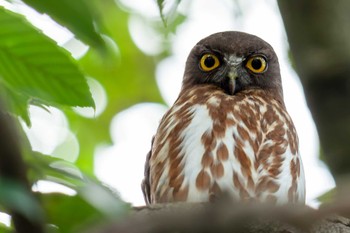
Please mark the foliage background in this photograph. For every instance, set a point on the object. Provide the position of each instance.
(37, 73)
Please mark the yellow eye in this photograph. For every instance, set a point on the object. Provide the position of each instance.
(209, 62)
(257, 64)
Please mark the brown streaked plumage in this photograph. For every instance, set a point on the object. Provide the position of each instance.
(228, 131)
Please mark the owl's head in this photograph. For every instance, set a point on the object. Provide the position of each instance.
(234, 61)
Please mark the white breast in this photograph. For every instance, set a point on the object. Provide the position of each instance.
(203, 178)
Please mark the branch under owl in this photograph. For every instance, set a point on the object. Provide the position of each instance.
(230, 217)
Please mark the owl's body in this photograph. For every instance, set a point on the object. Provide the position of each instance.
(226, 132)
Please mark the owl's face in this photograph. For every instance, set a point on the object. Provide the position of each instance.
(234, 61)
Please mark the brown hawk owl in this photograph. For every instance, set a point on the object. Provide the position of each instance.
(228, 131)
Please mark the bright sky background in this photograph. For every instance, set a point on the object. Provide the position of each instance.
(121, 165)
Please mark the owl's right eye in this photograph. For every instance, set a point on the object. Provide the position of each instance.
(209, 62)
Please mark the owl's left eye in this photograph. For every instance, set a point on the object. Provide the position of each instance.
(256, 64)
(209, 62)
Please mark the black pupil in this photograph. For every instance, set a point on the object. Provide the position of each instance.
(256, 63)
(209, 61)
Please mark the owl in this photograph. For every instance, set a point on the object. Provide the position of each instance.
(229, 131)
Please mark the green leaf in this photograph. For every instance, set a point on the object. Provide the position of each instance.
(98, 195)
(129, 80)
(46, 167)
(170, 13)
(33, 67)
(178, 20)
(103, 199)
(15, 197)
(160, 4)
(328, 196)
(68, 213)
(5, 229)
(17, 103)
(76, 15)
(92, 203)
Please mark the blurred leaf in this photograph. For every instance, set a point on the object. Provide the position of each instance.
(128, 79)
(76, 15)
(18, 103)
(168, 32)
(15, 197)
(170, 13)
(46, 167)
(68, 213)
(5, 229)
(104, 199)
(33, 67)
(178, 20)
(98, 195)
(328, 196)
(160, 4)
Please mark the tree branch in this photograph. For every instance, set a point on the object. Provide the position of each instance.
(228, 217)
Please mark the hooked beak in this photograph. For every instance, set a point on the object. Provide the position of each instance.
(232, 75)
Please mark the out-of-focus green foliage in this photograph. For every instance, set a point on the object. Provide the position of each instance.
(76, 15)
(68, 212)
(15, 197)
(127, 79)
(165, 15)
(93, 201)
(5, 229)
(327, 197)
(34, 70)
